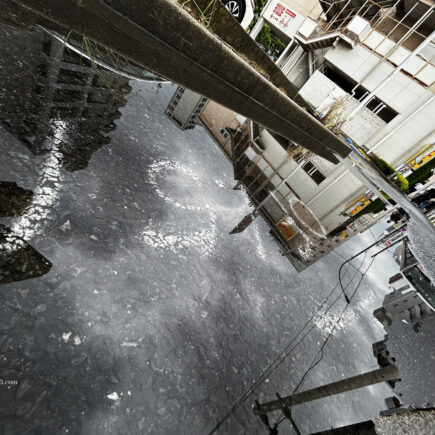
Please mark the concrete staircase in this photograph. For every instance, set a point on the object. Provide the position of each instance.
(317, 42)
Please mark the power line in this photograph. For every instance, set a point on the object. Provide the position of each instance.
(320, 352)
(314, 363)
(280, 358)
(279, 421)
(288, 350)
(357, 255)
(327, 339)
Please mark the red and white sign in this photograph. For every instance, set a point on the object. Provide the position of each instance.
(279, 15)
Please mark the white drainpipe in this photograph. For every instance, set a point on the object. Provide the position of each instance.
(271, 193)
(286, 50)
(310, 64)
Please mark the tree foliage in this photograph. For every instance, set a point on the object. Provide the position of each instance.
(259, 6)
(401, 182)
(384, 166)
(266, 37)
(374, 207)
(421, 175)
(270, 41)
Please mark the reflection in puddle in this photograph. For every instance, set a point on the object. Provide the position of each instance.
(61, 106)
(54, 87)
(179, 239)
(18, 260)
(13, 199)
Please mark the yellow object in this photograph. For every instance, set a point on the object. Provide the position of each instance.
(359, 203)
(416, 161)
(342, 235)
(286, 229)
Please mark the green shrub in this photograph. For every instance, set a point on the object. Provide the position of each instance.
(421, 175)
(375, 206)
(387, 197)
(401, 182)
(270, 41)
(384, 166)
(266, 37)
(337, 231)
(259, 6)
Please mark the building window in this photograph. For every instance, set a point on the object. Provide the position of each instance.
(224, 133)
(298, 157)
(377, 106)
(313, 172)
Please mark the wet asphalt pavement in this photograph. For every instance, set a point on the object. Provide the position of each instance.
(152, 319)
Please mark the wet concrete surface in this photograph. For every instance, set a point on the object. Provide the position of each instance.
(415, 387)
(152, 319)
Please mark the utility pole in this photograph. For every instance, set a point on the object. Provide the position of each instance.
(288, 415)
(383, 374)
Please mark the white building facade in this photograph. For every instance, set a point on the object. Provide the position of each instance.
(369, 73)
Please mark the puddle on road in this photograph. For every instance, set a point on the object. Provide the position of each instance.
(59, 102)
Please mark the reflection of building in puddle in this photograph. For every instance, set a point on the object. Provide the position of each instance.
(44, 83)
(59, 106)
(13, 199)
(18, 260)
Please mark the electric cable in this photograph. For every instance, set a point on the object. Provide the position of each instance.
(283, 355)
(279, 421)
(320, 352)
(314, 363)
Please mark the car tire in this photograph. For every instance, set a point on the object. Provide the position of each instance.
(237, 8)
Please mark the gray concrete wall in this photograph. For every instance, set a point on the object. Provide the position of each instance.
(148, 34)
(409, 136)
(334, 200)
(321, 92)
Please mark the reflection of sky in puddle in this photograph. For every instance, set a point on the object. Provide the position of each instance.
(154, 308)
(149, 290)
(172, 180)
